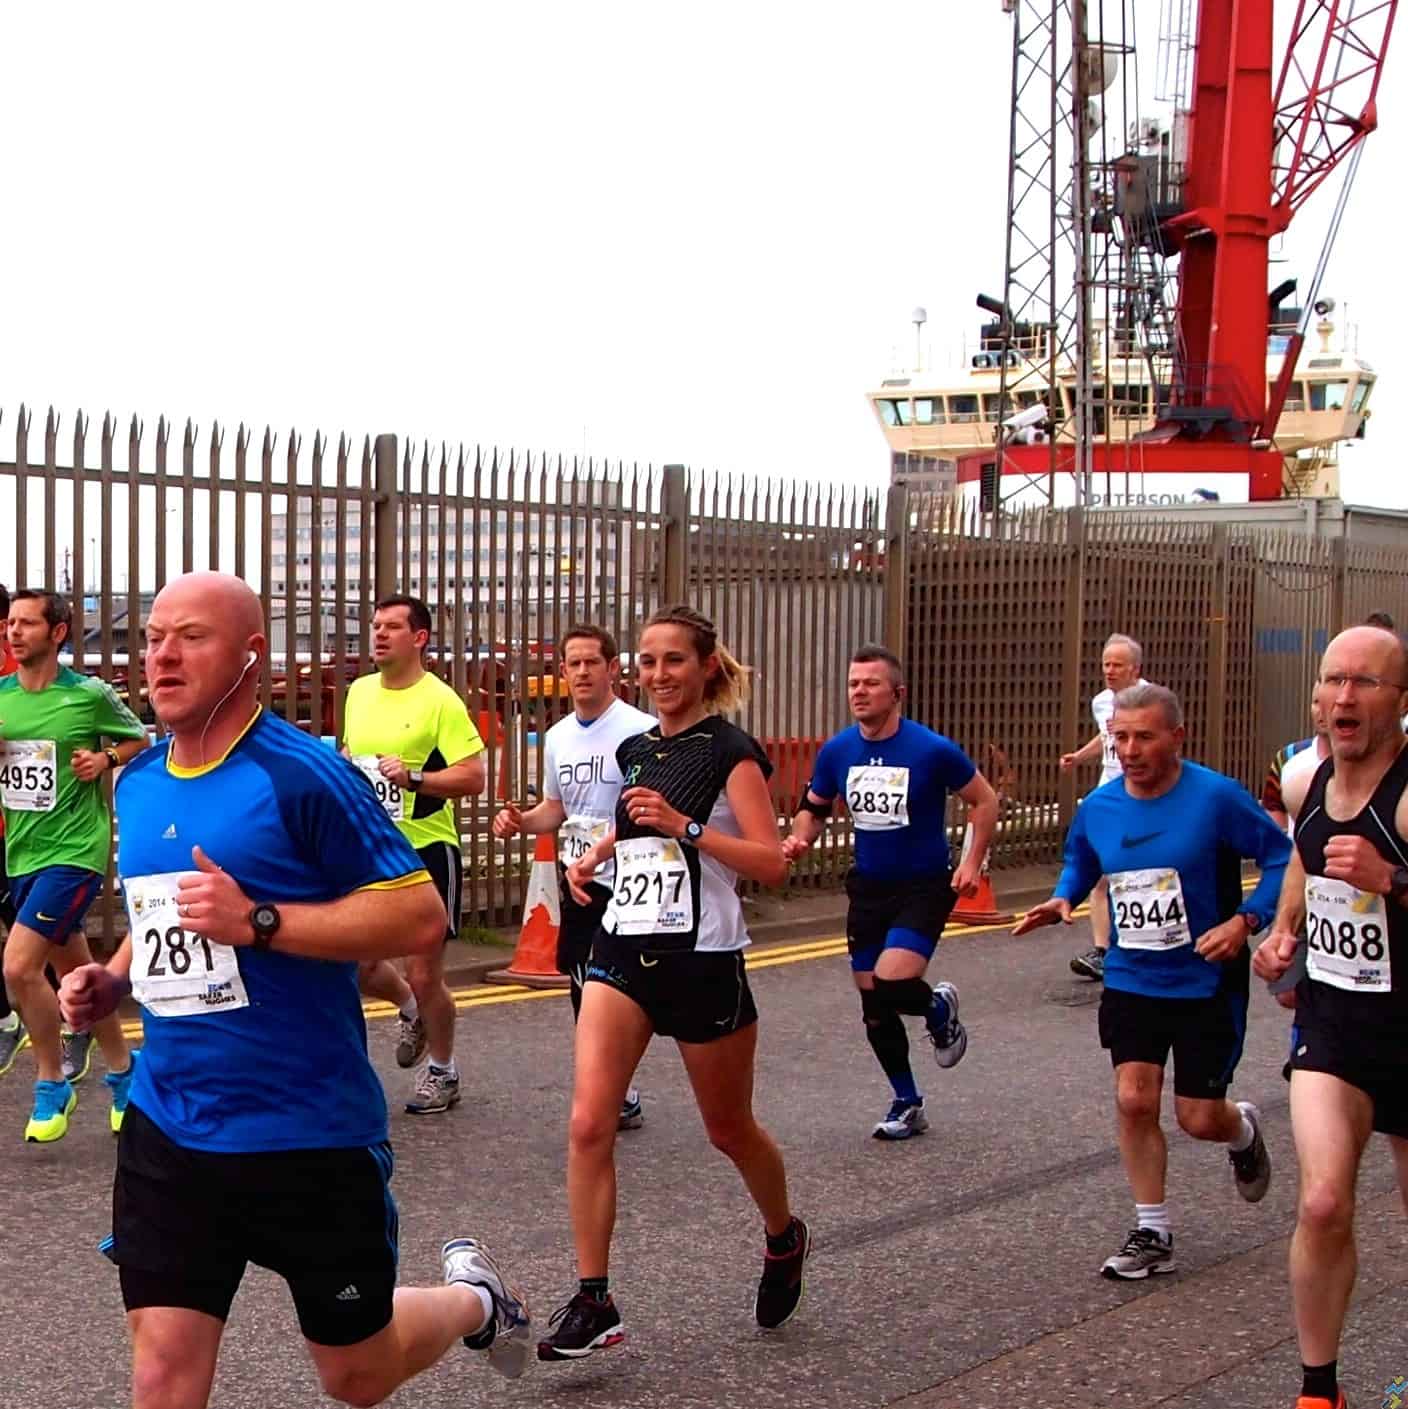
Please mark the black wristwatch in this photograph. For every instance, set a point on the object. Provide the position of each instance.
(264, 919)
(1398, 883)
(692, 832)
(414, 778)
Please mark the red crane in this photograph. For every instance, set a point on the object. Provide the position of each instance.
(1255, 154)
(1254, 157)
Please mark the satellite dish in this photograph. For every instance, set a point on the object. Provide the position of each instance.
(1099, 67)
(919, 315)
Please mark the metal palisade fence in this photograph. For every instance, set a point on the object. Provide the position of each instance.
(1000, 626)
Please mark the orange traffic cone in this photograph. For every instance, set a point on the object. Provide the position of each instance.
(535, 959)
(979, 909)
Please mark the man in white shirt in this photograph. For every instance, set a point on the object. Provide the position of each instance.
(581, 782)
(1120, 664)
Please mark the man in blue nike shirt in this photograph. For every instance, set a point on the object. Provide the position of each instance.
(1171, 836)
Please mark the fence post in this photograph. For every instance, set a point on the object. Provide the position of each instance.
(674, 510)
(1216, 753)
(1339, 573)
(897, 570)
(1072, 640)
(385, 512)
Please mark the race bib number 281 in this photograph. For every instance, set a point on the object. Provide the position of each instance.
(176, 973)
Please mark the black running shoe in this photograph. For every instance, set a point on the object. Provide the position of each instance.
(582, 1326)
(780, 1290)
(1251, 1168)
(1090, 964)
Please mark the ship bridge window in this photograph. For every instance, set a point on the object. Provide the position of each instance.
(928, 410)
(1361, 395)
(1328, 396)
(992, 406)
(962, 408)
(894, 412)
(1295, 396)
(1026, 399)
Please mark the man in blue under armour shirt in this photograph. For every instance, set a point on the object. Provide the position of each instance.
(258, 867)
(895, 776)
(1171, 837)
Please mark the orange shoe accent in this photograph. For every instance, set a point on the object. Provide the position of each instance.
(535, 958)
(1304, 1402)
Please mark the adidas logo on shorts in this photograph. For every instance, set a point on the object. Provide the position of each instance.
(349, 1293)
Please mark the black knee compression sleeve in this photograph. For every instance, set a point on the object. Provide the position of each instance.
(886, 1035)
(904, 995)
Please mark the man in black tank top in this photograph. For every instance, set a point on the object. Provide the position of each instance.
(1348, 882)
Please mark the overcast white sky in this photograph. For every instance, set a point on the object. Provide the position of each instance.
(647, 230)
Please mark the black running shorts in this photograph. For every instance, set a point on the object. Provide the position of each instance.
(908, 913)
(1377, 1066)
(186, 1223)
(579, 926)
(1205, 1036)
(446, 867)
(694, 995)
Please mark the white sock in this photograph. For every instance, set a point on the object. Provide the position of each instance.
(1155, 1217)
(10, 1024)
(1244, 1140)
(632, 1095)
(411, 1010)
(448, 1068)
(485, 1300)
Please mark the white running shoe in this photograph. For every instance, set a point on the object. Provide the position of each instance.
(505, 1337)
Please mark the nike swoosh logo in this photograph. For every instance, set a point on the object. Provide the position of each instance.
(40, 915)
(648, 963)
(1139, 841)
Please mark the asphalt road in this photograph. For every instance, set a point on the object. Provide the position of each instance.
(958, 1269)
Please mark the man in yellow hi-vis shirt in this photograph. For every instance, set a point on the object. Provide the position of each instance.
(412, 737)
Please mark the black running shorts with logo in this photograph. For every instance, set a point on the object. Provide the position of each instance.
(1205, 1036)
(446, 867)
(693, 995)
(578, 929)
(1376, 1066)
(186, 1222)
(884, 912)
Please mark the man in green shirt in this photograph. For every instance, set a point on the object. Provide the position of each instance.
(411, 736)
(58, 836)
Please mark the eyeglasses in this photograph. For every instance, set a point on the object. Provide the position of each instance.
(1360, 682)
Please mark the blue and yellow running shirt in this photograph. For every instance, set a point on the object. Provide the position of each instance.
(284, 1064)
(1175, 869)
(896, 791)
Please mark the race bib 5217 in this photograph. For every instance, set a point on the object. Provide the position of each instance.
(653, 893)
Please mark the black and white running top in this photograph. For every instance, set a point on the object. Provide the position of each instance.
(1357, 955)
(668, 896)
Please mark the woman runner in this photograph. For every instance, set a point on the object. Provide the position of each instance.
(693, 816)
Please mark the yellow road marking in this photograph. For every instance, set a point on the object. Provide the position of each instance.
(488, 996)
